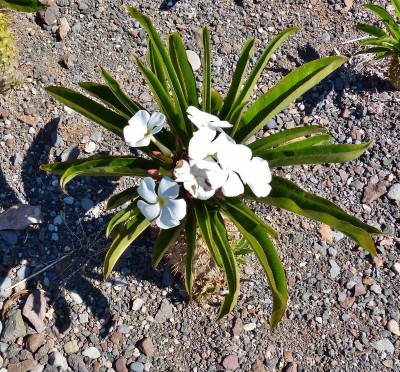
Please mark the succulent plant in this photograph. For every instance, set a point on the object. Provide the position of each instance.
(384, 43)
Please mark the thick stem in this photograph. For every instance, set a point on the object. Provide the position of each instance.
(161, 147)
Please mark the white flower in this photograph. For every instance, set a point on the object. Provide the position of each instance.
(201, 178)
(204, 144)
(162, 207)
(203, 119)
(142, 127)
(237, 161)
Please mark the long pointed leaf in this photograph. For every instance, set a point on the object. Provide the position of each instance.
(122, 197)
(156, 64)
(387, 19)
(123, 216)
(282, 94)
(313, 155)
(216, 103)
(318, 140)
(164, 241)
(191, 234)
(247, 90)
(203, 219)
(114, 166)
(89, 108)
(229, 264)
(284, 136)
(23, 5)
(119, 93)
(396, 5)
(237, 78)
(287, 195)
(266, 254)
(105, 95)
(183, 69)
(372, 30)
(122, 242)
(206, 92)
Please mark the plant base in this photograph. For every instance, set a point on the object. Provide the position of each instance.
(394, 72)
(7, 53)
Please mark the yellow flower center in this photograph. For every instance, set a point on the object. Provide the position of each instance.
(161, 201)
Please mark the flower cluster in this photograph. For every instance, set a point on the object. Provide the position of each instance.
(214, 163)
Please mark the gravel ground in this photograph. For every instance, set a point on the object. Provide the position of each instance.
(343, 313)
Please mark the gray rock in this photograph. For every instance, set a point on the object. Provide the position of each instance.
(14, 327)
(4, 284)
(69, 200)
(76, 363)
(325, 37)
(335, 269)
(70, 153)
(96, 137)
(194, 60)
(91, 352)
(136, 367)
(23, 272)
(394, 192)
(86, 204)
(272, 124)
(71, 347)
(384, 345)
(10, 237)
(56, 359)
(165, 312)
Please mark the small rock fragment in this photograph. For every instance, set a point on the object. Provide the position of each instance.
(14, 327)
(76, 363)
(384, 345)
(231, 362)
(35, 310)
(146, 346)
(19, 217)
(56, 359)
(34, 342)
(120, 365)
(374, 190)
(165, 312)
(193, 59)
(71, 347)
(237, 327)
(359, 290)
(335, 269)
(393, 327)
(250, 326)
(137, 304)
(91, 352)
(64, 28)
(394, 192)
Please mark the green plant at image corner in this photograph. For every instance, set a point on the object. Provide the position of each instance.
(385, 44)
(192, 185)
(22, 5)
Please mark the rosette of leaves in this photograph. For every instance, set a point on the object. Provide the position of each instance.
(172, 82)
(384, 42)
(23, 5)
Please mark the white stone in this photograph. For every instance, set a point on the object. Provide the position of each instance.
(393, 327)
(4, 284)
(137, 304)
(394, 192)
(91, 352)
(58, 360)
(250, 326)
(90, 147)
(384, 345)
(76, 297)
(396, 268)
(194, 60)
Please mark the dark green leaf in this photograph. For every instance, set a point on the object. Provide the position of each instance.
(387, 19)
(313, 155)
(230, 267)
(105, 95)
(237, 78)
(183, 69)
(156, 64)
(321, 139)
(123, 216)
(23, 5)
(191, 235)
(396, 5)
(266, 254)
(282, 94)
(164, 241)
(206, 92)
(122, 241)
(287, 195)
(122, 197)
(119, 93)
(372, 30)
(89, 108)
(282, 137)
(216, 103)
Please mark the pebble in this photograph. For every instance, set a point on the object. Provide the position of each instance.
(231, 362)
(76, 363)
(146, 346)
(237, 327)
(14, 327)
(91, 352)
(86, 204)
(64, 28)
(137, 304)
(376, 289)
(325, 37)
(96, 136)
(120, 365)
(384, 345)
(165, 312)
(69, 200)
(23, 272)
(71, 347)
(136, 367)
(34, 342)
(5, 283)
(250, 326)
(9, 236)
(395, 268)
(194, 60)
(335, 269)
(393, 326)
(394, 192)
(90, 147)
(56, 359)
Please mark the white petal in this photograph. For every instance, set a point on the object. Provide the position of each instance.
(140, 120)
(150, 211)
(200, 144)
(168, 188)
(156, 122)
(144, 141)
(192, 187)
(222, 124)
(200, 118)
(234, 157)
(260, 190)
(132, 135)
(258, 176)
(182, 171)
(233, 185)
(203, 194)
(177, 208)
(147, 189)
(165, 220)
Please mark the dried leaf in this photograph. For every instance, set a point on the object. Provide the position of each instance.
(35, 310)
(19, 217)
(374, 190)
